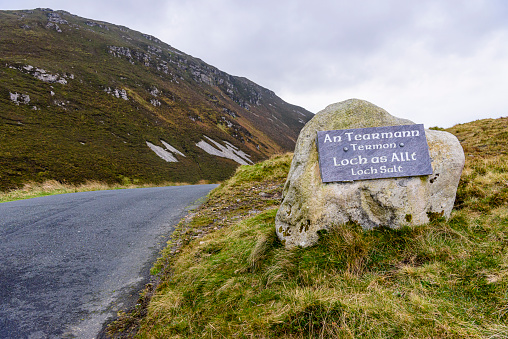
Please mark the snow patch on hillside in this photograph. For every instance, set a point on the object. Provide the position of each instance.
(165, 154)
(171, 148)
(229, 151)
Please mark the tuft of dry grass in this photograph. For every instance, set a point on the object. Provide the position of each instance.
(52, 187)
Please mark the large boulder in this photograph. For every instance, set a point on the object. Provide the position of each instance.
(309, 205)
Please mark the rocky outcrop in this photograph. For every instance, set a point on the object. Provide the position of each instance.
(53, 20)
(242, 92)
(56, 18)
(309, 205)
(95, 24)
(18, 98)
(152, 38)
(117, 93)
(43, 75)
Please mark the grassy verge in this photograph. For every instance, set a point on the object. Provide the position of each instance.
(52, 187)
(225, 274)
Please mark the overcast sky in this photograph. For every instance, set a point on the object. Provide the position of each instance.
(438, 62)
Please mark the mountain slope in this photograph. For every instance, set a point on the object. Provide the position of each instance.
(81, 99)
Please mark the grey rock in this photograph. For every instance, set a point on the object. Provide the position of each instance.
(154, 49)
(56, 18)
(120, 51)
(17, 98)
(53, 25)
(43, 75)
(152, 38)
(154, 91)
(118, 93)
(95, 24)
(310, 205)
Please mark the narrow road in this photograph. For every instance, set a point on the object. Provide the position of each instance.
(69, 262)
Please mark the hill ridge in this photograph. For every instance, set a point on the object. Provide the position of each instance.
(76, 73)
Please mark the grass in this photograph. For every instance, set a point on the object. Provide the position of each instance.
(226, 275)
(52, 187)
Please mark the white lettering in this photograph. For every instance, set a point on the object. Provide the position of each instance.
(403, 156)
(336, 138)
(392, 145)
(367, 171)
(371, 136)
(376, 160)
(354, 161)
(368, 147)
(394, 169)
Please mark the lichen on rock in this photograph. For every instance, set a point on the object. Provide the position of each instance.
(309, 205)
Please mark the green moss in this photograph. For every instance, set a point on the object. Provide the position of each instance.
(355, 113)
(433, 216)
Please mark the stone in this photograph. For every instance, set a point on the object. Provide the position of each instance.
(309, 205)
(19, 98)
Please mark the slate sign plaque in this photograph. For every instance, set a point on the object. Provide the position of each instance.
(372, 153)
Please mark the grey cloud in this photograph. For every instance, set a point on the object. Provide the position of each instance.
(408, 50)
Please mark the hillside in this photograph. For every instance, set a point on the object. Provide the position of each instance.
(86, 100)
(225, 273)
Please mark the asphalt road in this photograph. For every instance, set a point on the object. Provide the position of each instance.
(69, 262)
